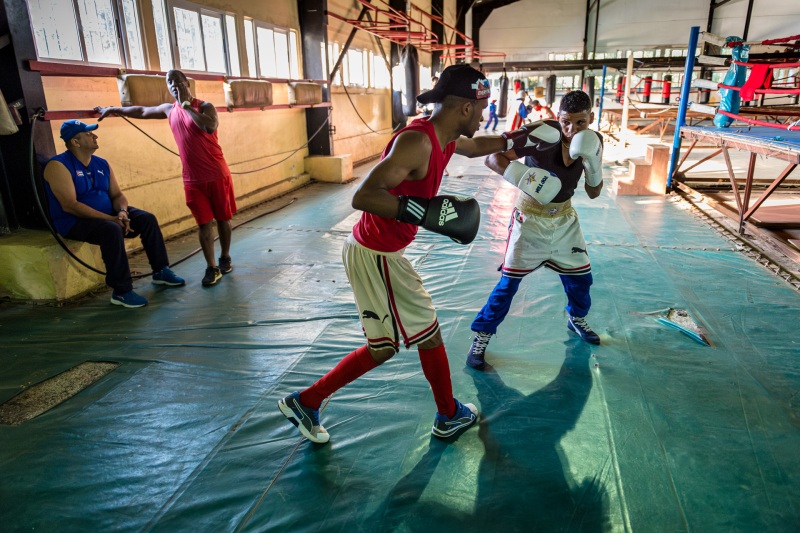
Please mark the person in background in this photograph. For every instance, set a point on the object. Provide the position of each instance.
(207, 181)
(492, 116)
(520, 112)
(87, 204)
(540, 112)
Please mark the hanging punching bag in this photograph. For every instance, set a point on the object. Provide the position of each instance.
(666, 88)
(502, 100)
(648, 88)
(410, 62)
(550, 92)
(589, 87)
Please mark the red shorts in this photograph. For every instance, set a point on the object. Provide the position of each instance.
(211, 200)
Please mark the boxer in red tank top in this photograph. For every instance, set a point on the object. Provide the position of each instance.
(398, 195)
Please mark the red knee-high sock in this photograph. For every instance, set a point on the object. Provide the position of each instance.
(437, 372)
(354, 365)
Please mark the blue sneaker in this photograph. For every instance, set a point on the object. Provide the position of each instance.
(128, 299)
(305, 418)
(165, 276)
(578, 325)
(466, 415)
(475, 357)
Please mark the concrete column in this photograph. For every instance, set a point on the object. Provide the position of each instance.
(314, 30)
(625, 101)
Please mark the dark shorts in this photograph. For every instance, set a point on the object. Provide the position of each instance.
(211, 200)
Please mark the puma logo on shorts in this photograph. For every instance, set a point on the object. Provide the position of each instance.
(369, 314)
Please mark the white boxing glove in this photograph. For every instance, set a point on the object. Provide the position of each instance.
(541, 184)
(587, 144)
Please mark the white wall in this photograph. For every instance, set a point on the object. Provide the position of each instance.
(529, 29)
(770, 19)
(642, 24)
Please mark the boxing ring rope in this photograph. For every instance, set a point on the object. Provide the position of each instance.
(761, 91)
(791, 127)
(767, 42)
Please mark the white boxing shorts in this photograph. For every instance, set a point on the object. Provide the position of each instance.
(547, 236)
(392, 303)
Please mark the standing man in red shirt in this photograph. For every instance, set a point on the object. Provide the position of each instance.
(397, 197)
(207, 180)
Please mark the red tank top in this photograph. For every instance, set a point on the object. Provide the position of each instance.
(201, 154)
(390, 235)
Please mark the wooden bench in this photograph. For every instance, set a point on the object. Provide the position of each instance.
(39, 269)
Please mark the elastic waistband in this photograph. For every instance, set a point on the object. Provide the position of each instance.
(529, 206)
(351, 239)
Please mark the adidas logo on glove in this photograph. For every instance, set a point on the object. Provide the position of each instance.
(457, 217)
(447, 213)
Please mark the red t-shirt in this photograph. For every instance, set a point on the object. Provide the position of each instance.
(201, 154)
(388, 234)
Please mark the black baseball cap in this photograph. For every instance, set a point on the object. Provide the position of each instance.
(458, 80)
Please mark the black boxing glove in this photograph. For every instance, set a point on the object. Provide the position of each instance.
(538, 134)
(457, 217)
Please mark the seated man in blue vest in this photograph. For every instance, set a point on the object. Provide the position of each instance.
(86, 204)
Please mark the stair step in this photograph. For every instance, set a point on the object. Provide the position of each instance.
(647, 176)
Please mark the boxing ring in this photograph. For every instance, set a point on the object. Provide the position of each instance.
(740, 128)
(758, 141)
(658, 119)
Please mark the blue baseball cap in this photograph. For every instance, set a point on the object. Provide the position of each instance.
(71, 128)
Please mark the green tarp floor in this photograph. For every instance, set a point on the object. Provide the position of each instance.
(650, 431)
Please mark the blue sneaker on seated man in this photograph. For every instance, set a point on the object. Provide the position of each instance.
(128, 299)
(167, 277)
